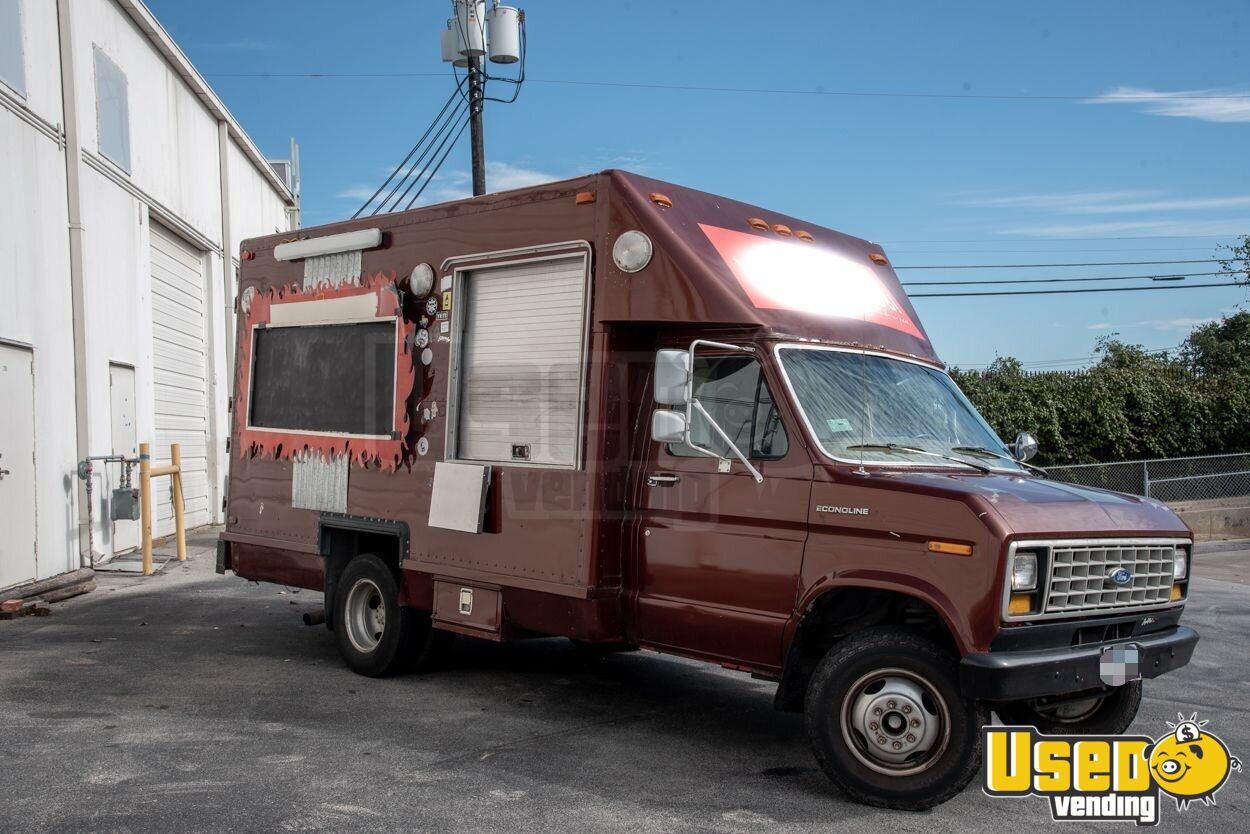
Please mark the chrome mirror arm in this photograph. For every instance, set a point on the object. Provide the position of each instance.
(733, 447)
(692, 404)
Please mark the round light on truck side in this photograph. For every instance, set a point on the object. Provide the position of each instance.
(632, 251)
(1024, 571)
(421, 281)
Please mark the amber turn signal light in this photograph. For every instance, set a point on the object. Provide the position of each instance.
(1020, 604)
(584, 197)
(1177, 593)
(950, 548)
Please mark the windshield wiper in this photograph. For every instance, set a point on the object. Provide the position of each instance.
(894, 447)
(981, 450)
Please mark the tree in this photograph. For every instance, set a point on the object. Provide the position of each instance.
(1237, 264)
(1219, 347)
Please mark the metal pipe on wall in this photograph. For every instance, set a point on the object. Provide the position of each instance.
(78, 301)
(227, 251)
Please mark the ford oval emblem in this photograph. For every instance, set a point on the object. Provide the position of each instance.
(1120, 576)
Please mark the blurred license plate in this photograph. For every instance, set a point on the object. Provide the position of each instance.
(1120, 664)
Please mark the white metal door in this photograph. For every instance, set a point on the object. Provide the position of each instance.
(180, 375)
(17, 466)
(523, 335)
(125, 442)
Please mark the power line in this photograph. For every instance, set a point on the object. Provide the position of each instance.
(1166, 277)
(1040, 240)
(1041, 266)
(1067, 292)
(707, 88)
(404, 162)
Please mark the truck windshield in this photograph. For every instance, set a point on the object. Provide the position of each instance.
(858, 400)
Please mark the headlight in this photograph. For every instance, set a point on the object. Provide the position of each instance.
(1180, 565)
(1024, 571)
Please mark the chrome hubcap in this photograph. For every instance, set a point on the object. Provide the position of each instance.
(895, 722)
(365, 615)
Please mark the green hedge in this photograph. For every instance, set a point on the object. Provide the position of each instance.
(1131, 404)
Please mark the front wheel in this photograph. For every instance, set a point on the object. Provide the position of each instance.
(887, 722)
(1105, 714)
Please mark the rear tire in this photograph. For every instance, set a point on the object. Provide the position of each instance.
(376, 635)
(1107, 715)
(887, 722)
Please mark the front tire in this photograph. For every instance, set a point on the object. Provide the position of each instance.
(1108, 714)
(887, 722)
(376, 635)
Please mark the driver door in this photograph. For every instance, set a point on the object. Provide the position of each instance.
(720, 554)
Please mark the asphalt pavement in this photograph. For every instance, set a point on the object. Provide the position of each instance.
(196, 702)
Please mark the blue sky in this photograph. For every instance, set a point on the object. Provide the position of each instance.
(1124, 163)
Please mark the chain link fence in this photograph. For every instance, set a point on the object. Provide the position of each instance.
(1166, 479)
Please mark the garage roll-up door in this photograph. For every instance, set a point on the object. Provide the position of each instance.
(521, 363)
(180, 375)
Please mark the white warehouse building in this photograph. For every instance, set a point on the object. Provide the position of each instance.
(125, 189)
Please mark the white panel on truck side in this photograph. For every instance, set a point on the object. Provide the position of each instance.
(521, 365)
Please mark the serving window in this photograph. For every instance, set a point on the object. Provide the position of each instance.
(325, 378)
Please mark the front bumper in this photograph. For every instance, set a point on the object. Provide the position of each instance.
(1035, 673)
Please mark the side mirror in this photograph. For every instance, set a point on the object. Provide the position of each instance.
(1025, 446)
(672, 376)
(668, 426)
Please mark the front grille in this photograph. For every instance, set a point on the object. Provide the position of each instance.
(1079, 576)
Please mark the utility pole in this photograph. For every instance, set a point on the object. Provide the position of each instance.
(476, 139)
(474, 35)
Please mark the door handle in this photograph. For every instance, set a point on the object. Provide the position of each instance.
(662, 479)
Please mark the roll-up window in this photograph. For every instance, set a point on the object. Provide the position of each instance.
(521, 362)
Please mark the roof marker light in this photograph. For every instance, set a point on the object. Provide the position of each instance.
(878, 258)
(756, 223)
(802, 235)
(782, 229)
(660, 200)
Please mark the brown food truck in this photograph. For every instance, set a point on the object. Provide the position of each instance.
(637, 415)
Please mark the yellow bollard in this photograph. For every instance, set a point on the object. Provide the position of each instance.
(175, 456)
(146, 474)
(145, 505)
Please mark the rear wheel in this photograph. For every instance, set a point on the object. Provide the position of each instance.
(1108, 713)
(887, 723)
(376, 635)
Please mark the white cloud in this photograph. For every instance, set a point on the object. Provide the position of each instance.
(1108, 202)
(456, 184)
(1204, 105)
(1170, 228)
(1182, 324)
(356, 192)
(1058, 202)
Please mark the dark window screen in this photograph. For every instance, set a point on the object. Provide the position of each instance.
(325, 377)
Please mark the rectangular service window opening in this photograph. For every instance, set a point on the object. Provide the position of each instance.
(735, 393)
(112, 103)
(336, 378)
(519, 381)
(12, 57)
